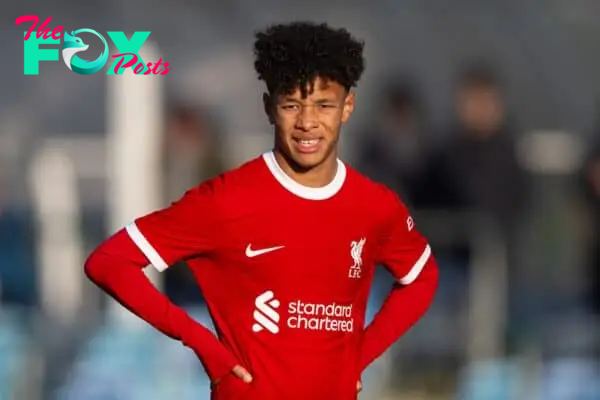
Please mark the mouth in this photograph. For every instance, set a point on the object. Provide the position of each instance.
(307, 145)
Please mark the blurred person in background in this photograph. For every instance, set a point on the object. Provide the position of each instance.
(193, 147)
(476, 171)
(591, 180)
(393, 149)
(284, 247)
(3, 268)
(17, 253)
(193, 153)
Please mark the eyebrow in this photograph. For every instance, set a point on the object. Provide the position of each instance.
(318, 101)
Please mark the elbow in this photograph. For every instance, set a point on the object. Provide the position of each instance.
(435, 279)
(429, 279)
(433, 273)
(115, 254)
(98, 264)
(94, 268)
(424, 269)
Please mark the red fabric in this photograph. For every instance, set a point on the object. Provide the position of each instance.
(404, 306)
(116, 266)
(286, 277)
(407, 255)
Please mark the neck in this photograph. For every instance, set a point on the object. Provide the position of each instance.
(315, 177)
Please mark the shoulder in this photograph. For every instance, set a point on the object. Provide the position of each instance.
(384, 208)
(231, 189)
(233, 181)
(377, 198)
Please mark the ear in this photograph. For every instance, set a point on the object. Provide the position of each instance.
(268, 107)
(348, 107)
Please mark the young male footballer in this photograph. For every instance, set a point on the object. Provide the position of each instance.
(283, 247)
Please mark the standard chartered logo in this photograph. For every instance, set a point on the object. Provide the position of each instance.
(330, 317)
(265, 315)
(320, 317)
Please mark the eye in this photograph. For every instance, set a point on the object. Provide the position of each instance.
(327, 106)
(290, 107)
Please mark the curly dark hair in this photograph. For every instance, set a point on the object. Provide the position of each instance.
(288, 56)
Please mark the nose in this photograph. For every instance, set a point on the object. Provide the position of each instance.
(307, 119)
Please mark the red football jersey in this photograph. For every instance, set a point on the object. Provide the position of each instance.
(286, 271)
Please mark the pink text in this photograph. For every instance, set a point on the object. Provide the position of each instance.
(140, 67)
(42, 30)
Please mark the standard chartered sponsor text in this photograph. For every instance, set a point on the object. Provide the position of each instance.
(331, 317)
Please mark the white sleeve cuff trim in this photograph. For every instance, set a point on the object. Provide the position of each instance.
(417, 268)
(142, 243)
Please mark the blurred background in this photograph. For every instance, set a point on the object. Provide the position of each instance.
(483, 115)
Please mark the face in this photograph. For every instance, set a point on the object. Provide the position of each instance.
(480, 109)
(307, 129)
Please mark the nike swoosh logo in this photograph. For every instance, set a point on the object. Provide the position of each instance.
(253, 253)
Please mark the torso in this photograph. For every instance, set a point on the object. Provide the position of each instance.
(288, 283)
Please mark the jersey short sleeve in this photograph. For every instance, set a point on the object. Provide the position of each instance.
(180, 231)
(402, 248)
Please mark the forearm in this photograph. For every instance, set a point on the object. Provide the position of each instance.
(116, 267)
(403, 307)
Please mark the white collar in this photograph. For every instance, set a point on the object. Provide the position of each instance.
(306, 192)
